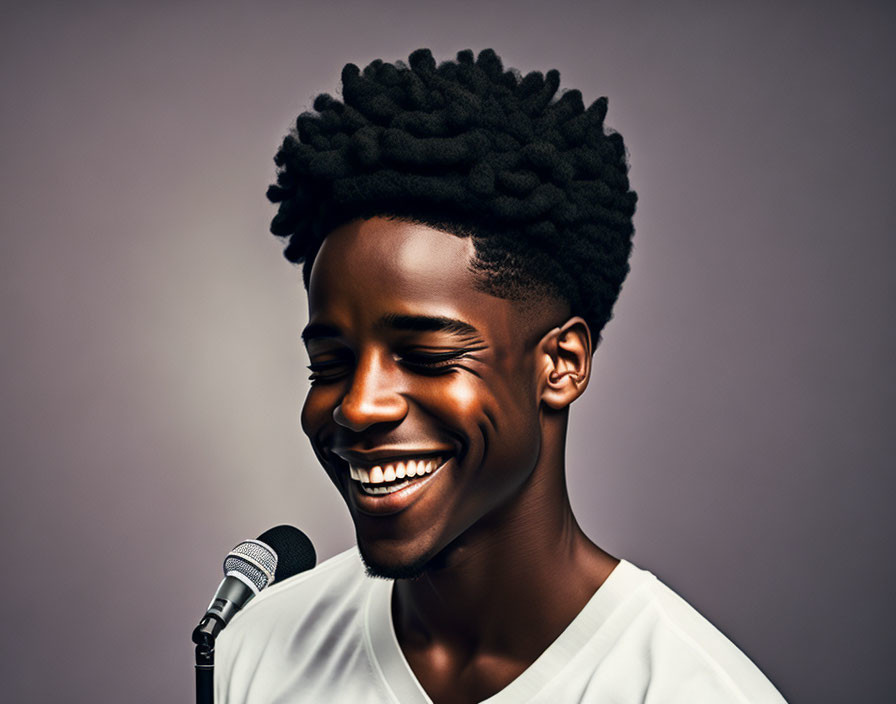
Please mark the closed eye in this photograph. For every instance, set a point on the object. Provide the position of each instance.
(324, 371)
(432, 362)
(419, 361)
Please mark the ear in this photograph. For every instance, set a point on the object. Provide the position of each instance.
(565, 363)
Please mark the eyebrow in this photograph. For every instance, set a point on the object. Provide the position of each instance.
(427, 323)
(315, 330)
(397, 321)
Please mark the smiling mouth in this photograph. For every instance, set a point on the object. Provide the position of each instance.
(390, 477)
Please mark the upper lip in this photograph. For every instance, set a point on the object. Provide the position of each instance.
(382, 454)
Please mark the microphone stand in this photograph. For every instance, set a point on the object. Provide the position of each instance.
(205, 675)
(204, 637)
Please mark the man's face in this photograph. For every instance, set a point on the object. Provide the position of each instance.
(416, 371)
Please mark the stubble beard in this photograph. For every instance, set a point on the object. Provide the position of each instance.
(409, 570)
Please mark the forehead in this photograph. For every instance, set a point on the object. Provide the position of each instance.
(368, 268)
(399, 256)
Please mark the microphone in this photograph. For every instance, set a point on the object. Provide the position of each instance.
(275, 555)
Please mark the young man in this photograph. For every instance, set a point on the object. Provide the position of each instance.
(464, 236)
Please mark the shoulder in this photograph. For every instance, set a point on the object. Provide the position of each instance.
(329, 585)
(271, 636)
(689, 659)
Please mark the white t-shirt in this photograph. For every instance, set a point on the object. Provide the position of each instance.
(326, 637)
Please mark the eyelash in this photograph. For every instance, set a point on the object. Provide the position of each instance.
(422, 362)
(441, 360)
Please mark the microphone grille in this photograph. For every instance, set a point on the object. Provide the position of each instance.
(254, 560)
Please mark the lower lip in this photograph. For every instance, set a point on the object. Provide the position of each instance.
(384, 504)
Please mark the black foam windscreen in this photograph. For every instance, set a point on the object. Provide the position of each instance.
(295, 553)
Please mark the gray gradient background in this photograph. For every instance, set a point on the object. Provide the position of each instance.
(736, 438)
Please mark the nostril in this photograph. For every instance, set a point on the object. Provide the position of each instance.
(340, 418)
(360, 416)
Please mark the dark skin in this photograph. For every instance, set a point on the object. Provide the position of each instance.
(411, 358)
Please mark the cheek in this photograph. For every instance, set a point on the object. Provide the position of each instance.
(488, 410)
(469, 404)
(315, 415)
(308, 414)
(516, 441)
(464, 398)
(315, 412)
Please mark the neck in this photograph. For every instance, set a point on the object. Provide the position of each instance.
(512, 583)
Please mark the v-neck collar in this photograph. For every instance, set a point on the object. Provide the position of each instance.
(392, 666)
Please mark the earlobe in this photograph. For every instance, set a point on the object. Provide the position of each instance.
(566, 359)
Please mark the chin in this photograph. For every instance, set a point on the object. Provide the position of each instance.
(395, 568)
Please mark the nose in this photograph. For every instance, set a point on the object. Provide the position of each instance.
(372, 398)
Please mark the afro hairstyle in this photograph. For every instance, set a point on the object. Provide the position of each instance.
(475, 150)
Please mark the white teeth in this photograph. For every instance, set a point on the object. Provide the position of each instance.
(377, 489)
(392, 474)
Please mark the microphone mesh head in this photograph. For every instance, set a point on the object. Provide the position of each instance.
(253, 560)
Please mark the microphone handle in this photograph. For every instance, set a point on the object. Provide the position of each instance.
(232, 595)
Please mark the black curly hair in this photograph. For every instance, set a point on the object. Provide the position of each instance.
(477, 151)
